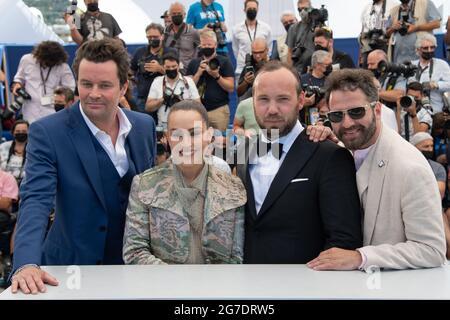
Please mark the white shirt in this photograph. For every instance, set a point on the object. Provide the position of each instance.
(265, 168)
(242, 44)
(177, 88)
(117, 153)
(371, 17)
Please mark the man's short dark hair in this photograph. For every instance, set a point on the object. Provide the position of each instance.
(351, 80)
(171, 57)
(247, 1)
(66, 92)
(155, 26)
(104, 50)
(275, 65)
(190, 105)
(323, 32)
(415, 85)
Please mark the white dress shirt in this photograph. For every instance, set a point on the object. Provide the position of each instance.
(116, 153)
(265, 168)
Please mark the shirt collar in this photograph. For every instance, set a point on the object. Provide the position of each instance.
(124, 124)
(289, 139)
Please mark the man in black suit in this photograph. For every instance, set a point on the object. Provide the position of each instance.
(302, 195)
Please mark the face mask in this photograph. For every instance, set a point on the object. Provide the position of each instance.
(172, 74)
(208, 52)
(177, 20)
(21, 137)
(376, 73)
(154, 43)
(92, 7)
(58, 107)
(288, 26)
(427, 55)
(303, 13)
(251, 14)
(319, 47)
(328, 70)
(428, 154)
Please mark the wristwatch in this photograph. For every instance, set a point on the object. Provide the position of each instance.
(218, 77)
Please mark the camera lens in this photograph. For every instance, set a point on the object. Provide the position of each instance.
(406, 101)
(213, 64)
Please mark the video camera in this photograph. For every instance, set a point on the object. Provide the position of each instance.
(407, 69)
(318, 17)
(217, 28)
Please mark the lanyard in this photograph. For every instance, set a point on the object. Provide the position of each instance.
(248, 31)
(44, 81)
(421, 71)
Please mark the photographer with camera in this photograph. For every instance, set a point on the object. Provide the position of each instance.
(246, 32)
(433, 73)
(92, 25)
(405, 23)
(393, 84)
(147, 63)
(313, 83)
(214, 76)
(253, 62)
(181, 36)
(412, 116)
(373, 31)
(38, 74)
(209, 15)
(300, 38)
(169, 89)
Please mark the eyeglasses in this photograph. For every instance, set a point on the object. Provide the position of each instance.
(355, 113)
(430, 48)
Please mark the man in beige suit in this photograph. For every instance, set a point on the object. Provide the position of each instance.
(402, 220)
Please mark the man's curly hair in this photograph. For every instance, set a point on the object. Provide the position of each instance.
(49, 54)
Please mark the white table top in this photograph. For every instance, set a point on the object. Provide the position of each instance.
(192, 282)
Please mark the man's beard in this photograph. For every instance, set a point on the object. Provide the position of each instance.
(365, 136)
(278, 132)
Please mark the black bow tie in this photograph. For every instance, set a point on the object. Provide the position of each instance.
(263, 147)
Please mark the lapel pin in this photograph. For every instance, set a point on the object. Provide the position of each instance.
(381, 164)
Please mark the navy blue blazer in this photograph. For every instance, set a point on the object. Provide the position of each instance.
(61, 164)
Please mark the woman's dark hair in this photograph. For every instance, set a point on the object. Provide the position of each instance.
(13, 144)
(49, 54)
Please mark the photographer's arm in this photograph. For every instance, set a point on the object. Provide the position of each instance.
(74, 33)
(153, 104)
(227, 84)
(391, 95)
(289, 56)
(427, 27)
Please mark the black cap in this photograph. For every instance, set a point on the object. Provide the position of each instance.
(165, 14)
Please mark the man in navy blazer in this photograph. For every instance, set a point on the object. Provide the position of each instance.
(85, 157)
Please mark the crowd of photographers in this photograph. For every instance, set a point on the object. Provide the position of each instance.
(187, 58)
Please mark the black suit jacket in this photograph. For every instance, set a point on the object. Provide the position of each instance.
(300, 219)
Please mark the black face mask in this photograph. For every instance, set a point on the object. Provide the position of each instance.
(251, 14)
(172, 74)
(427, 55)
(428, 154)
(177, 20)
(154, 43)
(376, 73)
(328, 70)
(319, 47)
(21, 137)
(92, 7)
(58, 107)
(207, 52)
(288, 26)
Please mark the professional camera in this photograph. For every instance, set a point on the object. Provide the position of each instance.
(19, 100)
(404, 15)
(377, 39)
(426, 88)
(72, 9)
(426, 103)
(314, 90)
(214, 64)
(216, 27)
(406, 101)
(141, 65)
(318, 17)
(407, 69)
(249, 64)
(170, 100)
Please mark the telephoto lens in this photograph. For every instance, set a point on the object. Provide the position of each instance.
(406, 101)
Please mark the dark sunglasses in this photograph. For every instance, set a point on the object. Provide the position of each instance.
(355, 113)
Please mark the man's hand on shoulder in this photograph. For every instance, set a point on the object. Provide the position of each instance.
(319, 132)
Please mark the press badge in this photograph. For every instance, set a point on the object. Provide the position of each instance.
(46, 100)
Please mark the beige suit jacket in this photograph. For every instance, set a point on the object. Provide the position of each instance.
(402, 224)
